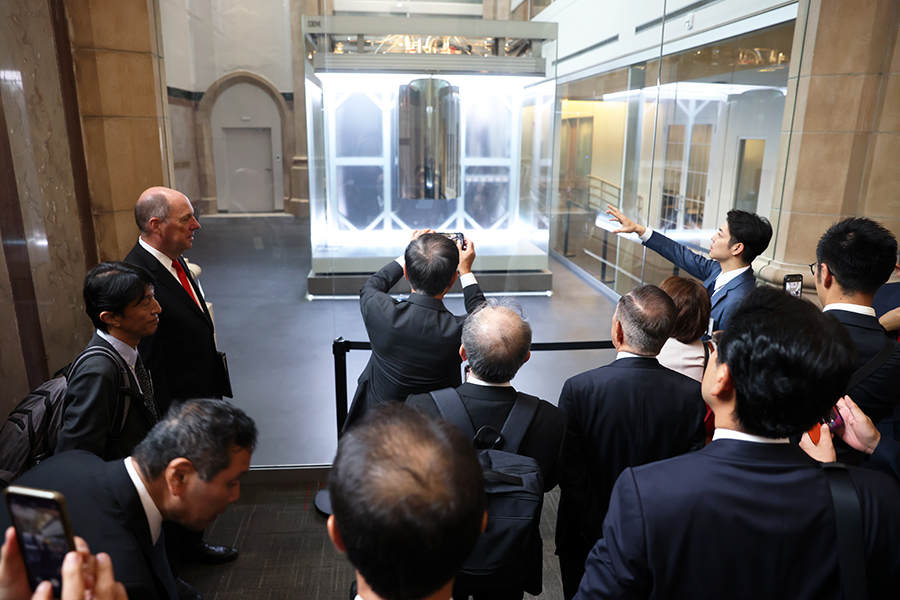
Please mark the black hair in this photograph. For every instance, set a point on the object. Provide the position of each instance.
(407, 494)
(790, 362)
(202, 431)
(431, 260)
(647, 315)
(113, 286)
(860, 254)
(753, 231)
(497, 338)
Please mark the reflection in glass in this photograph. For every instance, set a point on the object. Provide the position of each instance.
(750, 166)
(488, 127)
(487, 195)
(359, 195)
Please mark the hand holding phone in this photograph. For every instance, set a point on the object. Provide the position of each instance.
(43, 533)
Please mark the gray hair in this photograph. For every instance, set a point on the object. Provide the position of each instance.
(150, 205)
(497, 338)
(202, 431)
(647, 315)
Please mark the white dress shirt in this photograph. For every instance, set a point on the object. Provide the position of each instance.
(154, 517)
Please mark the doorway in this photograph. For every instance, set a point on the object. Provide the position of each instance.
(250, 178)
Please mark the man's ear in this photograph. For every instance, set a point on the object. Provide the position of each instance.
(825, 276)
(462, 353)
(723, 384)
(109, 318)
(737, 249)
(527, 357)
(617, 332)
(404, 272)
(177, 474)
(335, 534)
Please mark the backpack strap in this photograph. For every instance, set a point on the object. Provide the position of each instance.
(519, 420)
(122, 385)
(873, 365)
(850, 547)
(451, 407)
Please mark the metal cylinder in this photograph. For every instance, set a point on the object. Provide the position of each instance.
(428, 140)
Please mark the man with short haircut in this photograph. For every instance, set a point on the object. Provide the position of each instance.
(496, 340)
(408, 499)
(97, 417)
(186, 470)
(750, 515)
(182, 354)
(630, 412)
(415, 342)
(726, 274)
(854, 258)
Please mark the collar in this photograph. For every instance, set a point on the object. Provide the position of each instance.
(731, 434)
(624, 354)
(162, 258)
(154, 517)
(854, 308)
(474, 380)
(125, 351)
(724, 278)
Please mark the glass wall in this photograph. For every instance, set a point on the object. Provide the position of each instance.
(675, 142)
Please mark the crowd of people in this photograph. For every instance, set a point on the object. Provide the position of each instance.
(687, 467)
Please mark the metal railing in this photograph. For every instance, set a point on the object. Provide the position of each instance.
(340, 347)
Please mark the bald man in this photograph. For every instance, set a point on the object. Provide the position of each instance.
(182, 355)
(496, 340)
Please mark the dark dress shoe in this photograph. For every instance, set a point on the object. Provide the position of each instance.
(208, 554)
(185, 590)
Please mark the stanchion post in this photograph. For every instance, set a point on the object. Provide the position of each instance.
(340, 347)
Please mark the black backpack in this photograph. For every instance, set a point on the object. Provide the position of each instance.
(31, 430)
(508, 555)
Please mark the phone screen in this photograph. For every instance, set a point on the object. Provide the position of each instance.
(43, 533)
(793, 284)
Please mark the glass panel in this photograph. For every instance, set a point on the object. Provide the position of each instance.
(487, 195)
(360, 199)
(750, 166)
(488, 127)
(358, 126)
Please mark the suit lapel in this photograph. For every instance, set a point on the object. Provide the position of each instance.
(718, 296)
(165, 278)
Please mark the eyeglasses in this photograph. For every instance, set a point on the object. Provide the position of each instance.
(812, 268)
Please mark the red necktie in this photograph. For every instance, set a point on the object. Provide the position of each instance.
(182, 277)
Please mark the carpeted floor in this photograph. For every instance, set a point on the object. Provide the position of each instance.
(286, 553)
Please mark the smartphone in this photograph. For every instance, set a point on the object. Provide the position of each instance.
(44, 532)
(456, 237)
(793, 285)
(833, 420)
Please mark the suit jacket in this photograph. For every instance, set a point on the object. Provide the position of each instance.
(92, 402)
(879, 393)
(628, 413)
(106, 511)
(488, 405)
(181, 355)
(415, 343)
(738, 520)
(726, 300)
(886, 299)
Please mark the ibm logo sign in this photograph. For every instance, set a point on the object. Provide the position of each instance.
(314, 24)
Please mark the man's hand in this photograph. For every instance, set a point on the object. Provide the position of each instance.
(891, 320)
(858, 431)
(466, 257)
(419, 232)
(13, 579)
(627, 225)
(824, 450)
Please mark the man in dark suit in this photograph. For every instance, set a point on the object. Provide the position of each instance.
(97, 417)
(750, 515)
(726, 274)
(630, 412)
(406, 513)
(854, 258)
(186, 470)
(181, 355)
(496, 341)
(415, 342)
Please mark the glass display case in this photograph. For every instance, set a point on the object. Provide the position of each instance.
(360, 219)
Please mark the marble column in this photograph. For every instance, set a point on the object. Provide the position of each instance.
(42, 321)
(120, 77)
(840, 139)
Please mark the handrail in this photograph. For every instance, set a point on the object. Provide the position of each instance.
(604, 181)
(340, 347)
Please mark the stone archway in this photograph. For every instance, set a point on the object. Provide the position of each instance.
(208, 193)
